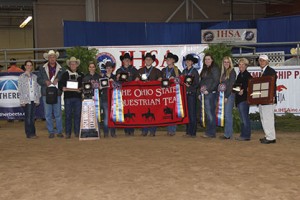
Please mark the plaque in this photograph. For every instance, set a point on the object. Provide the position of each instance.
(189, 79)
(261, 90)
(237, 87)
(165, 82)
(104, 82)
(124, 76)
(72, 85)
(88, 90)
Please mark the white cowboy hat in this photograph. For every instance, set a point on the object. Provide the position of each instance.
(294, 51)
(264, 57)
(73, 59)
(50, 52)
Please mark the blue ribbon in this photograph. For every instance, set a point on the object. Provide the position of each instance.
(97, 104)
(179, 106)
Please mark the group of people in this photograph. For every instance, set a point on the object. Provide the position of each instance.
(204, 86)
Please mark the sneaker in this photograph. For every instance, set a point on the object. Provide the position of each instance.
(51, 135)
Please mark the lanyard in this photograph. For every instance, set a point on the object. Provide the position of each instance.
(169, 73)
(188, 72)
(147, 74)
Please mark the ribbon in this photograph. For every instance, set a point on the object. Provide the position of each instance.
(179, 107)
(221, 105)
(202, 107)
(97, 104)
(117, 104)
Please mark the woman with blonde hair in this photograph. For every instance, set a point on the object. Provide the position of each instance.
(241, 99)
(227, 78)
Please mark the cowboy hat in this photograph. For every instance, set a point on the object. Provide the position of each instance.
(50, 52)
(149, 55)
(191, 57)
(173, 56)
(73, 59)
(126, 56)
(108, 64)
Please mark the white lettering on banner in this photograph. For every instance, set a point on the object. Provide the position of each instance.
(229, 35)
(288, 96)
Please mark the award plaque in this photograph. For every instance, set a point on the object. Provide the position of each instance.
(72, 85)
(165, 82)
(88, 124)
(189, 79)
(104, 82)
(261, 90)
(237, 87)
(124, 76)
(87, 90)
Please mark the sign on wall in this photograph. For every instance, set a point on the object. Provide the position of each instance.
(113, 54)
(229, 36)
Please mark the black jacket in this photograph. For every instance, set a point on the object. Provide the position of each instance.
(242, 80)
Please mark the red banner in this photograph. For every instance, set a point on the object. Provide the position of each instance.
(148, 104)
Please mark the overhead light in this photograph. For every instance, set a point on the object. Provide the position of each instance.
(25, 22)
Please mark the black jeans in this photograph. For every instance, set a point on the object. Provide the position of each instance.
(191, 127)
(29, 110)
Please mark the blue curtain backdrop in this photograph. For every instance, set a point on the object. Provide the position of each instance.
(279, 29)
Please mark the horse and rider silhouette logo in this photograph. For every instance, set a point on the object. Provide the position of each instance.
(149, 116)
(168, 111)
(129, 116)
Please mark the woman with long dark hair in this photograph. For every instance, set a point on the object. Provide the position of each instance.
(209, 81)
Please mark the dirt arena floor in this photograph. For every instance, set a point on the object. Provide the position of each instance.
(161, 167)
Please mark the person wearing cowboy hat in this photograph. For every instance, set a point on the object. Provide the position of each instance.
(149, 73)
(294, 60)
(49, 74)
(209, 81)
(72, 96)
(170, 72)
(191, 91)
(109, 68)
(266, 112)
(132, 74)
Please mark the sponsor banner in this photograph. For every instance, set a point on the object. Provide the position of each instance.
(288, 95)
(149, 104)
(113, 54)
(9, 98)
(229, 35)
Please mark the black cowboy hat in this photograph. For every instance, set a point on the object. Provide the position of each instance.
(126, 56)
(170, 55)
(108, 64)
(191, 57)
(149, 55)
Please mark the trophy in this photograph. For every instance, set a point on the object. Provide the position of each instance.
(189, 79)
(165, 82)
(124, 76)
(104, 82)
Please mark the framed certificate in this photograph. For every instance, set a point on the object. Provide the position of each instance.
(261, 90)
(72, 85)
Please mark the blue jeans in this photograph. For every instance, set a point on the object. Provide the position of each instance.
(29, 110)
(72, 110)
(210, 102)
(106, 130)
(228, 131)
(151, 129)
(243, 108)
(50, 110)
(191, 127)
(172, 129)
(129, 131)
